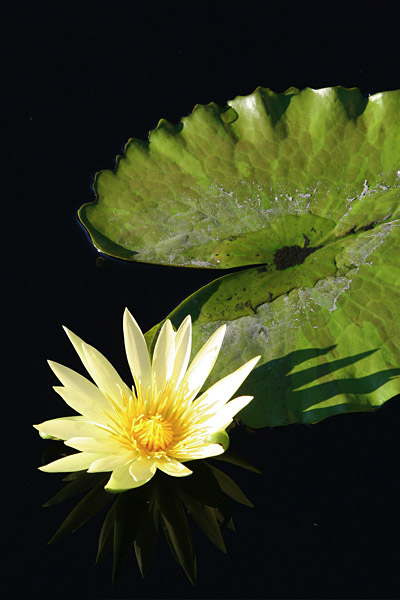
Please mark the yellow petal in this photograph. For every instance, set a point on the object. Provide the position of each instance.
(224, 416)
(163, 358)
(173, 467)
(203, 451)
(104, 374)
(121, 480)
(77, 344)
(66, 428)
(183, 344)
(73, 462)
(82, 404)
(202, 364)
(142, 469)
(91, 395)
(108, 463)
(97, 446)
(98, 367)
(219, 393)
(136, 352)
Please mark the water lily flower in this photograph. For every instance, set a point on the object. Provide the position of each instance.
(158, 424)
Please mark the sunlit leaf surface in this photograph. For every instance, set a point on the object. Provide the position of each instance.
(230, 185)
(328, 334)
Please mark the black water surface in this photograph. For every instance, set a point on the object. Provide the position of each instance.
(79, 80)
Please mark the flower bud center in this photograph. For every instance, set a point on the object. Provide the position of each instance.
(153, 432)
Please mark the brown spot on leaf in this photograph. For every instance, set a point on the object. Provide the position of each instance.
(289, 256)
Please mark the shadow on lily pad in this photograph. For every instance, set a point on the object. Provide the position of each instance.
(283, 394)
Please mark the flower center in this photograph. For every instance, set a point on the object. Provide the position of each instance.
(153, 432)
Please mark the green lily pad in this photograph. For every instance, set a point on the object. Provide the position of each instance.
(229, 186)
(305, 184)
(328, 330)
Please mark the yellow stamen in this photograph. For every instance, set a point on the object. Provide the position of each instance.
(153, 432)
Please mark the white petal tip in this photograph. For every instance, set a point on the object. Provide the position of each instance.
(73, 338)
(185, 474)
(126, 315)
(45, 469)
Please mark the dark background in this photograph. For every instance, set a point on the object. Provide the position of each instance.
(79, 79)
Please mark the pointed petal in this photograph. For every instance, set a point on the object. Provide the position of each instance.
(96, 364)
(108, 463)
(205, 451)
(173, 467)
(89, 444)
(77, 344)
(163, 357)
(142, 469)
(183, 346)
(104, 374)
(73, 462)
(202, 364)
(122, 480)
(224, 417)
(94, 397)
(237, 404)
(137, 353)
(219, 393)
(81, 404)
(66, 428)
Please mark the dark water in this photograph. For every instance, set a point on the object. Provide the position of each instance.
(83, 79)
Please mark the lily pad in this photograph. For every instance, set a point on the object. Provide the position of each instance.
(229, 186)
(305, 184)
(328, 330)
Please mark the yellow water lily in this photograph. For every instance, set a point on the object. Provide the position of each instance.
(158, 424)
